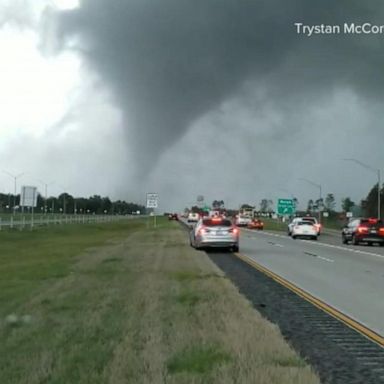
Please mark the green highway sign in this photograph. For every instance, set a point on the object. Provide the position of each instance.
(285, 207)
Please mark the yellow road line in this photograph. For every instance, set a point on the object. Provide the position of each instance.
(315, 301)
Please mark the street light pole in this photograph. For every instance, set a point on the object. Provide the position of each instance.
(46, 193)
(378, 172)
(378, 195)
(320, 200)
(15, 177)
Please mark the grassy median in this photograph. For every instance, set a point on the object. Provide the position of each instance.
(124, 303)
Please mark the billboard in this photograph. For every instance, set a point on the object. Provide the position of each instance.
(28, 196)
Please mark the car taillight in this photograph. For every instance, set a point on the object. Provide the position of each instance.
(362, 229)
(202, 231)
(235, 231)
(381, 230)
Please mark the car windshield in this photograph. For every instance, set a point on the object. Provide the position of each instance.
(217, 223)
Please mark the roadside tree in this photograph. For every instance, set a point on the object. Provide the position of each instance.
(330, 202)
(347, 204)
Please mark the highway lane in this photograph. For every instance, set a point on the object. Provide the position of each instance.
(349, 278)
(334, 238)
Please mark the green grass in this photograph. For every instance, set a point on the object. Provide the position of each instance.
(274, 225)
(31, 259)
(121, 303)
(197, 359)
(189, 298)
(333, 223)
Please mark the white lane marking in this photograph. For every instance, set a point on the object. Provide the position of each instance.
(319, 257)
(274, 244)
(326, 259)
(326, 245)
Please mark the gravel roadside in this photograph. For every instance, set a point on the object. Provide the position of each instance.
(339, 354)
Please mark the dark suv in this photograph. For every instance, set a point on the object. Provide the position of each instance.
(363, 230)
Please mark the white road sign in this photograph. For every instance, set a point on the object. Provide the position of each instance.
(152, 200)
(28, 196)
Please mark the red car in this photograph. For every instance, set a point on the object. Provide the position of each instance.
(256, 224)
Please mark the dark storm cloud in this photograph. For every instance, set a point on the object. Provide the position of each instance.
(169, 62)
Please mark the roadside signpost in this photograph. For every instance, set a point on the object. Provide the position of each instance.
(285, 207)
(153, 202)
(28, 198)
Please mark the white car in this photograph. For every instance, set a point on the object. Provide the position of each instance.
(242, 221)
(193, 217)
(304, 228)
(311, 219)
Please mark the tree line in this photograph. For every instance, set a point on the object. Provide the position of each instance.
(66, 203)
(366, 206)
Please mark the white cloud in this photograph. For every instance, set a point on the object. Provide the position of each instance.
(35, 91)
(66, 4)
(57, 122)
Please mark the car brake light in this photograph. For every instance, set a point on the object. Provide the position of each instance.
(372, 220)
(235, 231)
(362, 229)
(381, 230)
(202, 231)
(216, 219)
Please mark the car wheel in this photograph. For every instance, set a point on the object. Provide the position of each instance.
(344, 239)
(314, 237)
(294, 237)
(381, 244)
(354, 240)
(235, 248)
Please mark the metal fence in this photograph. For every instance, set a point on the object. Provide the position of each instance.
(22, 222)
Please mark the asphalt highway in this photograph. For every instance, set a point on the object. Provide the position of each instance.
(349, 278)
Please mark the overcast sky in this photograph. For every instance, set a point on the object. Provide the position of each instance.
(220, 98)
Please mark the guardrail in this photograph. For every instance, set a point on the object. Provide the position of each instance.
(22, 222)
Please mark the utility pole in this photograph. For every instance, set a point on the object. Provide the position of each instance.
(320, 195)
(46, 193)
(377, 171)
(15, 177)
